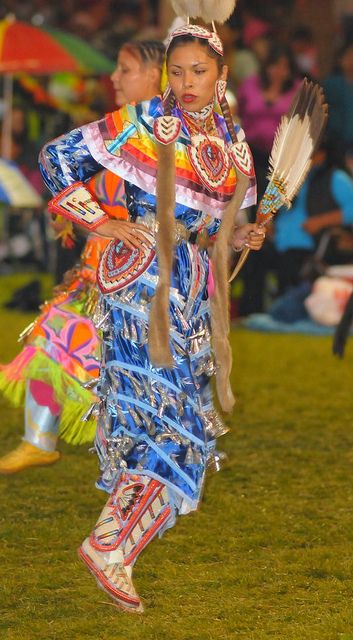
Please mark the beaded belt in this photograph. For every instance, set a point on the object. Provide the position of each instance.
(120, 265)
(200, 238)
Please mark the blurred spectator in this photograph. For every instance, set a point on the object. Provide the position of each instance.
(338, 89)
(253, 28)
(305, 51)
(317, 232)
(24, 236)
(262, 100)
(247, 61)
(305, 234)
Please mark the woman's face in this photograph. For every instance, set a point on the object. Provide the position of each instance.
(192, 75)
(132, 80)
(279, 71)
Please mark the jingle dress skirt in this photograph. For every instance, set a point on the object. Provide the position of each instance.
(159, 421)
(153, 421)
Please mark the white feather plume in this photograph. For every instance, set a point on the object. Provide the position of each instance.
(208, 10)
(217, 11)
(296, 139)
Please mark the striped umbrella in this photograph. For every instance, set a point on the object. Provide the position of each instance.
(25, 48)
(15, 189)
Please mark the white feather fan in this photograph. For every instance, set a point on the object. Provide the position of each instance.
(296, 139)
(208, 10)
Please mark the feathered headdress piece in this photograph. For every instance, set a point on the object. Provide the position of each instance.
(210, 11)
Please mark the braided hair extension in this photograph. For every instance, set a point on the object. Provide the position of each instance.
(169, 101)
(228, 119)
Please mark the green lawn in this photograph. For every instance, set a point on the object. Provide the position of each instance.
(268, 556)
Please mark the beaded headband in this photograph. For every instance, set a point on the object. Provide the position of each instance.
(209, 11)
(195, 30)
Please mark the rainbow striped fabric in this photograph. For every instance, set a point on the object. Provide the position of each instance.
(124, 143)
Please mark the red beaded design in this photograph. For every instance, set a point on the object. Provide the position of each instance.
(120, 266)
(209, 160)
(242, 158)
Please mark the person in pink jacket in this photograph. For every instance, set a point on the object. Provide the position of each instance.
(262, 100)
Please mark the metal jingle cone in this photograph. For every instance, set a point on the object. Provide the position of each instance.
(121, 417)
(214, 461)
(189, 457)
(92, 412)
(133, 333)
(126, 331)
(219, 427)
(90, 383)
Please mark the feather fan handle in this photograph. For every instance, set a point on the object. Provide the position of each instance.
(208, 10)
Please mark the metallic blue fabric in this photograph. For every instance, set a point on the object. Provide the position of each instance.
(159, 421)
(66, 160)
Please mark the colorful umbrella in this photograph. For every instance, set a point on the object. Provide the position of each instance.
(25, 48)
(89, 59)
(15, 190)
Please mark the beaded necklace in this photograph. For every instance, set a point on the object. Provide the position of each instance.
(207, 151)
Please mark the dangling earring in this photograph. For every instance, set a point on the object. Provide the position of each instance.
(220, 90)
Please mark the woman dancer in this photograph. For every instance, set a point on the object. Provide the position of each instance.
(185, 167)
(61, 353)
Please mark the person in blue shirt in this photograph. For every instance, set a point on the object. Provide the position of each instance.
(324, 202)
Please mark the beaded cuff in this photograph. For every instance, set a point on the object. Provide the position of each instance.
(77, 204)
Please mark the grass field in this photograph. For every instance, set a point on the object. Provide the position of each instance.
(268, 556)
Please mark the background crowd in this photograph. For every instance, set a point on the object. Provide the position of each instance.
(268, 50)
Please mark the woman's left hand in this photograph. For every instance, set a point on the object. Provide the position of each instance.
(248, 235)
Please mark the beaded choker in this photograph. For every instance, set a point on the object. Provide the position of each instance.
(207, 153)
(199, 115)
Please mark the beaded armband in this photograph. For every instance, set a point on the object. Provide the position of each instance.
(77, 204)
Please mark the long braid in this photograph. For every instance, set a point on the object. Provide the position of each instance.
(168, 102)
(220, 312)
(228, 119)
(159, 326)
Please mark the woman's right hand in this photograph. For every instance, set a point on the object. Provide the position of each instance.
(132, 234)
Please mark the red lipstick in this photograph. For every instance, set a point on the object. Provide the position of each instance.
(188, 97)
